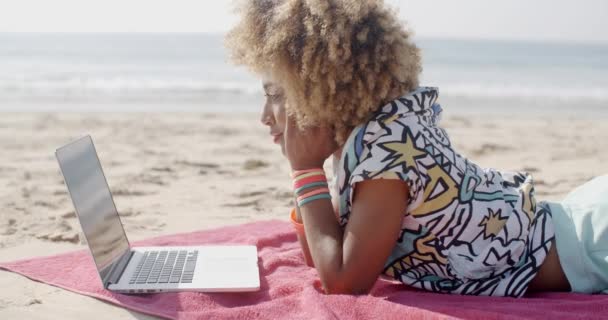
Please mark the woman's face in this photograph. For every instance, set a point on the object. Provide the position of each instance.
(273, 114)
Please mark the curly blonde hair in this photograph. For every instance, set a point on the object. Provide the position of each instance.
(338, 61)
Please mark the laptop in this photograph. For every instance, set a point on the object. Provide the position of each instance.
(134, 270)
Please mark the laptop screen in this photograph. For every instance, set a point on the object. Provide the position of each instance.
(93, 202)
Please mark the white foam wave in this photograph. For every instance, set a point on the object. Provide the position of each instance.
(118, 86)
(67, 87)
(526, 92)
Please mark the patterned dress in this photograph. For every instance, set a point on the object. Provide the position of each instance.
(467, 230)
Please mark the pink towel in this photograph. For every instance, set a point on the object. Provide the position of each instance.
(290, 289)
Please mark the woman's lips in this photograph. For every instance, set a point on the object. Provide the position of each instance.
(277, 137)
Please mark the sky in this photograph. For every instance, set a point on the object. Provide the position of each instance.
(536, 20)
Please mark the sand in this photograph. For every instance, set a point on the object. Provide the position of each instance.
(175, 173)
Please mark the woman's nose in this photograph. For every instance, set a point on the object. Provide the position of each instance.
(267, 118)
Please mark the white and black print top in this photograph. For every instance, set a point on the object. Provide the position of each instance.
(467, 230)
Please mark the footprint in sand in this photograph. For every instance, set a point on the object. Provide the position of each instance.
(134, 193)
(61, 237)
(68, 215)
(283, 194)
(142, 224)
(460, 120)
(489, 148)
(259, 194)
(250, 148)
(251, 194)
(62, 232)
(151, 179)
(530, 169)
(60, 193)
(45, 204)
(22, 209)
(202, 165)
(272, 192)
(129, 213)
(7, 169)
(252, 203)
(254, 164)
(10, 227)
(159, 227)
(253, 199)
(223, 131)
(226, 173)
(33, 301)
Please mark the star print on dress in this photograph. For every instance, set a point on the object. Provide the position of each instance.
(467, 230)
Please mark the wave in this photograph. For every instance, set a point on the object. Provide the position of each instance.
(527, 92)
(118, 87)
(123, 86)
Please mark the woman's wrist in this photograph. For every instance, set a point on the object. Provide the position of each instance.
(299, 227)
(303, 166)
(310, 185)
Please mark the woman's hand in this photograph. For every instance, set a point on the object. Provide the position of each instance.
(308, 148)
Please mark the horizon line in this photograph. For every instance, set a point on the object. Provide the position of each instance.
(221, 33)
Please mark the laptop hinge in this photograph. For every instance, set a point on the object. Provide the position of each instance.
(118, 268)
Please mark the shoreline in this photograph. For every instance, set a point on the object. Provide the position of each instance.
(248, 104)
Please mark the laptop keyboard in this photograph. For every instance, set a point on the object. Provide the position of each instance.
(171, 266)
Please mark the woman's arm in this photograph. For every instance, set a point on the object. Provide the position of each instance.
(302, 240)
(550, 276)
(351, 261)
(302, 236)
(347, 261)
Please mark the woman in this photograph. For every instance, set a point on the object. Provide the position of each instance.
(341, 81)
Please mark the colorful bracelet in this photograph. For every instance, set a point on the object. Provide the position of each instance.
(297, 173)
(310, 185)
(306, 181)
(302, 175)
(310, 174)
(314, 198)
(313, 193)
(314, 179)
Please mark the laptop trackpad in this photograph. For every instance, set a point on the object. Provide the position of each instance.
(228, 267)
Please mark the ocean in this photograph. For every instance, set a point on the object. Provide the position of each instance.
(190, 72)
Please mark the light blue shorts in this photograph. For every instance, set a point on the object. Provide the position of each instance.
(581, 235)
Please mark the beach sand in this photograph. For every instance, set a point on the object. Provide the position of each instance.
(173, 173)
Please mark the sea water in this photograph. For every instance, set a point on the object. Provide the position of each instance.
(191, 72)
